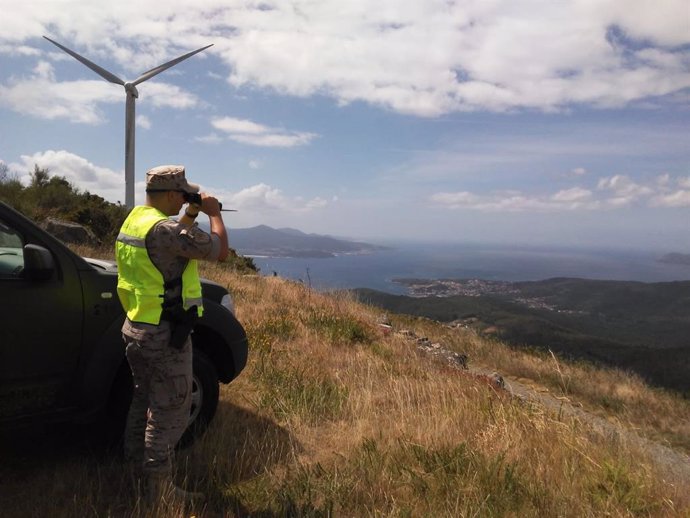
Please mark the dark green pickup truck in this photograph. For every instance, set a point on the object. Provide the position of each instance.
(61, 350)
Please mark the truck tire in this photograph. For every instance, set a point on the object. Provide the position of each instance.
(204, 397)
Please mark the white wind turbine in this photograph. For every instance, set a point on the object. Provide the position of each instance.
(132, 94)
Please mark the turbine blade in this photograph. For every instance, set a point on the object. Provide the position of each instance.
(93, 66)
(160, 68)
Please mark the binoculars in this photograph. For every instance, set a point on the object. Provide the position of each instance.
(195, 197)
(192, 197)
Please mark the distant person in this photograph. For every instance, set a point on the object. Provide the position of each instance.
(159, 288)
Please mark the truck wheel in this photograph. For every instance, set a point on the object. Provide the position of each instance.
(204, 396)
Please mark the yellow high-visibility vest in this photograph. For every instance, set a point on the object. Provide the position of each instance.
(139, 282)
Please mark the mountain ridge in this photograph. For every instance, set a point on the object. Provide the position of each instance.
(263, 240)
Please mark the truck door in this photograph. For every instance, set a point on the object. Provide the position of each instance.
(40, 330)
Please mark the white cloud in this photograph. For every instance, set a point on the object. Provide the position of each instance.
(249, 132)
(262, 197)
(572, 195)
(508, 202)
(19, 50)
(684, 182)
(44, 70)
(679, 198)
(42, 96)
(663, 180)
(614, 192)
(434, 57)
(578, 171)
(241, 126)
(143, 122)
(254, 164)
(273, 140)
(624, 190)
(109, 184)
(81, 173)
(316, 203)
(76, 101)
(166, 95)
(456, 200)
(423, 57)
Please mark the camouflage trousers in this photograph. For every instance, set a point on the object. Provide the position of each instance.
(161, 401)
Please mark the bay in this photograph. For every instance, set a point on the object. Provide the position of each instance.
(470, 261)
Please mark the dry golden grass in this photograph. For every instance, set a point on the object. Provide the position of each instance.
(654, 413)
(332, 417)
(373, 429)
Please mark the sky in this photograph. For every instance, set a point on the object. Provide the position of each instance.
(525, 122)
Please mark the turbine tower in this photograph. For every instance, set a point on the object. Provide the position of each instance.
(132, 94)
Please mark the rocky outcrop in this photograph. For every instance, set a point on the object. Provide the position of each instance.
(426, 346)
(436, 349)
(440, 352)
(70, 232)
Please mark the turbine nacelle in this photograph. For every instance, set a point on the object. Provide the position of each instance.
(131, 89)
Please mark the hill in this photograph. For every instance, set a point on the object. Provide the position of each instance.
(336, 415)
(263, 240)
(631, 325)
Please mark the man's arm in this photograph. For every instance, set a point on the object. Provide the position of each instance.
(218, 228)
(210, 207)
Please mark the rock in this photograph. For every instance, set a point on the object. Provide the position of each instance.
(386, 328)
(384, 320)
(497, 380)
(70, 232)
(460, 359)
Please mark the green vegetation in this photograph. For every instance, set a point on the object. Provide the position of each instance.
(49, 196)
(293, 390)
(337, 328)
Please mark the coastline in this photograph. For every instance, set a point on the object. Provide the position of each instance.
(379, 269)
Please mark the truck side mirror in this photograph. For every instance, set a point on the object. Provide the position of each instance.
(38, 263)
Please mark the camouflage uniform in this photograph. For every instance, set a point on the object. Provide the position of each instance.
(162, 375)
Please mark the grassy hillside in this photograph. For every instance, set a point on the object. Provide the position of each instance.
(643, 327)
(335, 417)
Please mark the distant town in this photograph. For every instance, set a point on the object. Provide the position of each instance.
(477, 288)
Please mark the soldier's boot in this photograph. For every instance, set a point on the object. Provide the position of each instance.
(160, 488)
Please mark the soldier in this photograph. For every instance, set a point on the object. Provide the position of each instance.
(158, 286)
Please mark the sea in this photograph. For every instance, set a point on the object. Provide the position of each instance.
(378, 270)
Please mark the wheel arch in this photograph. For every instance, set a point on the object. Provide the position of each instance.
(223, 340)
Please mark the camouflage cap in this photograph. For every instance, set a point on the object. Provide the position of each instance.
(169, 178)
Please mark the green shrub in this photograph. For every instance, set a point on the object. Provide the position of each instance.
(269, 330)
(337, 328)
(291, 390)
